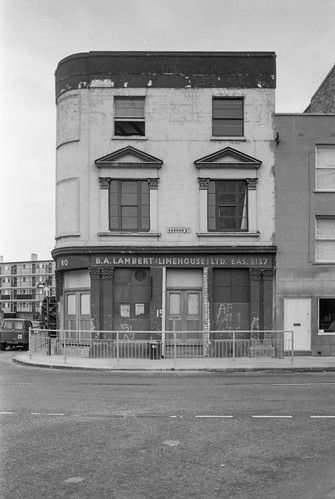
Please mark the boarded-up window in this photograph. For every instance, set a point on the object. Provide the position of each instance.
(227, 208)
(129, 116)
(325, 168)
(227, 117)
(132, 297)
(129, 205)
(231, 299)
(325, 240)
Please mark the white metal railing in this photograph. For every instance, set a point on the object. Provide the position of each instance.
(155, 345)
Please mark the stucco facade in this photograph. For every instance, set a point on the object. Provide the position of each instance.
(305, 232)
(181, 160)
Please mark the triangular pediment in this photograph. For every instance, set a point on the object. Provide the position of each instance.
(227, 158)
(128, 157)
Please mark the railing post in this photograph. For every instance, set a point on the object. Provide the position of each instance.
(117, 348)
(64, 347)
(29, 344)
(175, 348)
(234, 352)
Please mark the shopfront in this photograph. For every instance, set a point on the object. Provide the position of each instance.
(179, 291)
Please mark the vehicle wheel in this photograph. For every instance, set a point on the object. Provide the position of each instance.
(3, 346)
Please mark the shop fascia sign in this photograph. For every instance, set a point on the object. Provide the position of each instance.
(149, 260)
(263, 261)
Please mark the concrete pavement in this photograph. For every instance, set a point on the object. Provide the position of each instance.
(299, 363)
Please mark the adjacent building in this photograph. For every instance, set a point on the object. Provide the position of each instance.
(23, 286)
(165, 202)
(305, 230)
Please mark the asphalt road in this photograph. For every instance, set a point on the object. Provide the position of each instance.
(83, 434)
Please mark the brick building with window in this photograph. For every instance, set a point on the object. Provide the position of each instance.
(165, 190)
(305, 223)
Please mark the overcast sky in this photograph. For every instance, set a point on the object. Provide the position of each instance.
(36, 34)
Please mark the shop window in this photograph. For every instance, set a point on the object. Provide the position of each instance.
(129, 205)
(227, 117)
(325, 240)
(327, 315)
(231, 299)
(227, 205)
(129, 116)
(325, 168)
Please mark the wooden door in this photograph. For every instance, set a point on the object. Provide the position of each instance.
(77, 311)
(184, 310)
(297, 318)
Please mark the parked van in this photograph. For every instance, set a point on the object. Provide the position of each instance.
(14, 332)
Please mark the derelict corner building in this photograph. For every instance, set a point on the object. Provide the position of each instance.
(165, 205)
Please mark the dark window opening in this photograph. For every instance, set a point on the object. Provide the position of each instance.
(227, 117)
(227, 205)
(129, 205)
(231, 299)
(129, 116)
(327, 314)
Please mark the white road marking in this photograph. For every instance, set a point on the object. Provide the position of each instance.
(171, 443)
(75, 479)
(198, 416)
(302, 384)
(212, 416)
(271, 416)
(322, 417)
(47, 414)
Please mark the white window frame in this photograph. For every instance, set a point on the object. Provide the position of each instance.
(318, 147)
(133, 119)
(318, 239)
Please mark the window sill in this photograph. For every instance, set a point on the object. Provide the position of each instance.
(321, 332)
(324, 263)
(228, 234)
(322, 191)
(128, 234)
(73, 234)
(226, 137)
(128, 137)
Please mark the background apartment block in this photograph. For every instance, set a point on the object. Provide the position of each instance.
(165, 190)
(23, 286)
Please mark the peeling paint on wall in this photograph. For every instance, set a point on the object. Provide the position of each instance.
(167, 70)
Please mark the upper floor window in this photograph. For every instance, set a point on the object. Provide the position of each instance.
(129, 116)
(129, 205)
(325, 168)
(227, 117)
(325, 240)
(227, 205)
